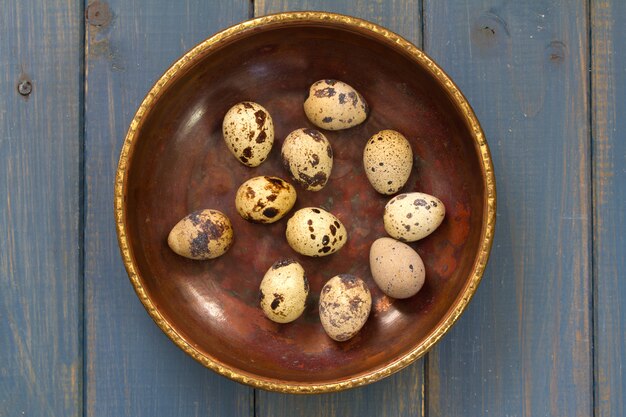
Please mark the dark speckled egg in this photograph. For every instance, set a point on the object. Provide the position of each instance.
(248, 131)
(313, 231)
(307, 154)
(345, 305)
(265, 199)
(283, 291)
(334, 105)
(413, 216)
(203, 234)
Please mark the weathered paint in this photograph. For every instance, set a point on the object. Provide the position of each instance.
(609, 201)
(523, 347)
(132, 369)
(40, 240)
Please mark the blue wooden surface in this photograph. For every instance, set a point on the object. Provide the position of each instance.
(609, 197)
(40, 273)
(523, 348)
(545, 334)
(132, 369)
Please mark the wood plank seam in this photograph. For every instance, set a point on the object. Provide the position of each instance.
(592, 285)
(82, 196)
(426, 359)
(609, 198)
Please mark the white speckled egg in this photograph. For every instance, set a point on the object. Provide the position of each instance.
(307, 154)
(396, 268)
(315, 232)
(412, 216)
(334, 105)
(345, 304)
(248, 131)
(265, 199)
(388, 160)
(283, 291)
(203, 234)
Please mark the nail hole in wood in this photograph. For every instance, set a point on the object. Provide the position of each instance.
(24, 87)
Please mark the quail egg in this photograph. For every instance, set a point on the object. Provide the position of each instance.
(283, 291)
(413, 216)
(248, 131)
(334, 105)
(264, 199)
(203, 234)
(396, 268)
(313, 231)
(388, 160)
(345, 305)
(307, 154)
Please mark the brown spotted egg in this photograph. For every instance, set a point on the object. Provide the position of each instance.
(203, 234)
(396, 268)
(248, 131)
(413, 216)
(283, 291)
(345, 305)
(265, 199)
(388, 160)
(334, 105)
(313, 231)
(307, 154)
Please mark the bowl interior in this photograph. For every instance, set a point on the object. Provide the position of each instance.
(180, 164)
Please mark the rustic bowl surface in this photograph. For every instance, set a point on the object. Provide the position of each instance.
(174, 161)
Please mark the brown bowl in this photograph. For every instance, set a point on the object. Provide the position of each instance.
(174, 161)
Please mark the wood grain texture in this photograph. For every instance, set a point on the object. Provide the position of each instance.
(396, 396)
(609, 202)
(402, 16)
(40, 279)
(523, 348)
(400, 394)
(132, 369)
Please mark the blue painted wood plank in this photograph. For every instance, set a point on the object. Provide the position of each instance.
(400, 394)
(609, 202)
(523, 348)
(402, 16)
(40, 274)
(132, 369)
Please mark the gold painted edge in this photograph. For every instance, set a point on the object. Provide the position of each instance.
(489, 214)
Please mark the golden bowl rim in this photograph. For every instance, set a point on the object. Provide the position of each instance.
(489, 214)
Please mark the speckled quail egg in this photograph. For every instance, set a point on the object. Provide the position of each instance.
(307, 154)
(334, 105)
(412, 216)
(345, 304)
(313, 231)
(388, 160)
(396, 268)
(248, 131)
(203, 234)
(283, 291)
(265, 199)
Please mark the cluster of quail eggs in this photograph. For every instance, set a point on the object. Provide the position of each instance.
(345, 300)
